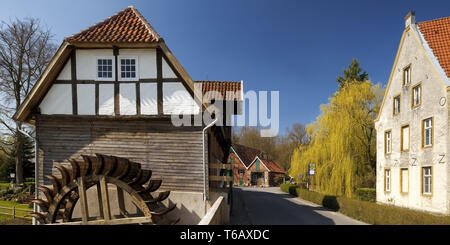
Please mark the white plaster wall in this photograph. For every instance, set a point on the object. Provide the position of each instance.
(177, 100)
(127, 99)
(149, 98)
(432, 92)
(86, 99)
(146, 61)
(87, 66)
(65, 73)
(58, 100)
(167, 71)
(106, 99)
(87, 62)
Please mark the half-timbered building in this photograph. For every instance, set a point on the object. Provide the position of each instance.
(113, 89)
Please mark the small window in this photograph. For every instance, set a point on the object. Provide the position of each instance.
(387, 180)
(241, 171)
(416, 95)
(388, 142)
(404, 180)
(128, 69)
(396, 105)
(104, 68)
(427, 184)
(405, 138)
(427, 132)
(407, 75)
(232, 160)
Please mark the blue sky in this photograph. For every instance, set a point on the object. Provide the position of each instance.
(296, 47)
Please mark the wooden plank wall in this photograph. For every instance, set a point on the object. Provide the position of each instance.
(172, 153)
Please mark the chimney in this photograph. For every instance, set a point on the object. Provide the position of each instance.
(410, 19)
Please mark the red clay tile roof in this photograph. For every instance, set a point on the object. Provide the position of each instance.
(219, 89)
(246, 154)
(273, 166)
(437, 34)
(126, 26)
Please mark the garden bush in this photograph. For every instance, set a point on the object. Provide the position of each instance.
(289, 188)
(366, 194)
(369, 211)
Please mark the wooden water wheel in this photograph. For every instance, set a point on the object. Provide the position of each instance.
(101, 171)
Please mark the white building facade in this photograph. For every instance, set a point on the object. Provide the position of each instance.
(413, 122)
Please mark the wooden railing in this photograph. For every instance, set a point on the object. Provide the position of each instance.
(16, 212)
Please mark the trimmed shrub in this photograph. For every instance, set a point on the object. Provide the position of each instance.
(289, 188)
(373, 213)
(366, 194)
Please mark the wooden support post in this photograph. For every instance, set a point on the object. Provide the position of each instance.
(105, 199)
(83, 200)
(100, 203)
(14, 212)
(121, 200)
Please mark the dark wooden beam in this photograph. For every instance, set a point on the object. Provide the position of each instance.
(159, 81)
(116, 84)
(73, 69)
(138, 98)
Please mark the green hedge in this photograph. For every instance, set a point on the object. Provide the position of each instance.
(289, 188)
(366, 194)
(371, 212)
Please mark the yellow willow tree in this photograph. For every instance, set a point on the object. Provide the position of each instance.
(342, 141)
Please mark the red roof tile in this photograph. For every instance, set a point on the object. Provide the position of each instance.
(437, 34)
(126, 26)
(246, 154)
(220, 90)
(273, 166)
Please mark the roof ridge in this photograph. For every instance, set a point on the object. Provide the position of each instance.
(153, 34)
(433, 20)
(97, 24)
(146, 23)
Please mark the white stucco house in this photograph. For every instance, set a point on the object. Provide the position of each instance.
(413, 150)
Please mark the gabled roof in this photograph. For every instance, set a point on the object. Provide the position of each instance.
(246, 154)
(224, 90)
(125, 26)
(273, 166)
(437, 34)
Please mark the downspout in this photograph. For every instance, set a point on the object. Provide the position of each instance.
(36, 174)
(204, 163)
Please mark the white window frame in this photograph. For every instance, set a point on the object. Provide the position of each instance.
(399, 104)
(425, 128)
(112, 78)
(418, 97)
(387, 180)
(388, 142)
(407, 75)
(427, 179)
(119, 73)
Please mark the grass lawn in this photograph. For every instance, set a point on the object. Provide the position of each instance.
(4, 186)
(6, 219)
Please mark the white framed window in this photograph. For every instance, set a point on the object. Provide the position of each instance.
(388, 142)
(404, 180)
(417, 95)
(396, 105)
(427, 184)
(105, 68)
(387, 180)
(128, 69)
(405, 138)
(427, 132)
(407, 75)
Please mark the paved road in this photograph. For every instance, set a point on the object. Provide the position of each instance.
(271, 206)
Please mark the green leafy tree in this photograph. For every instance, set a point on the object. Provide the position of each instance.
(342, 141)
(353, 73)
